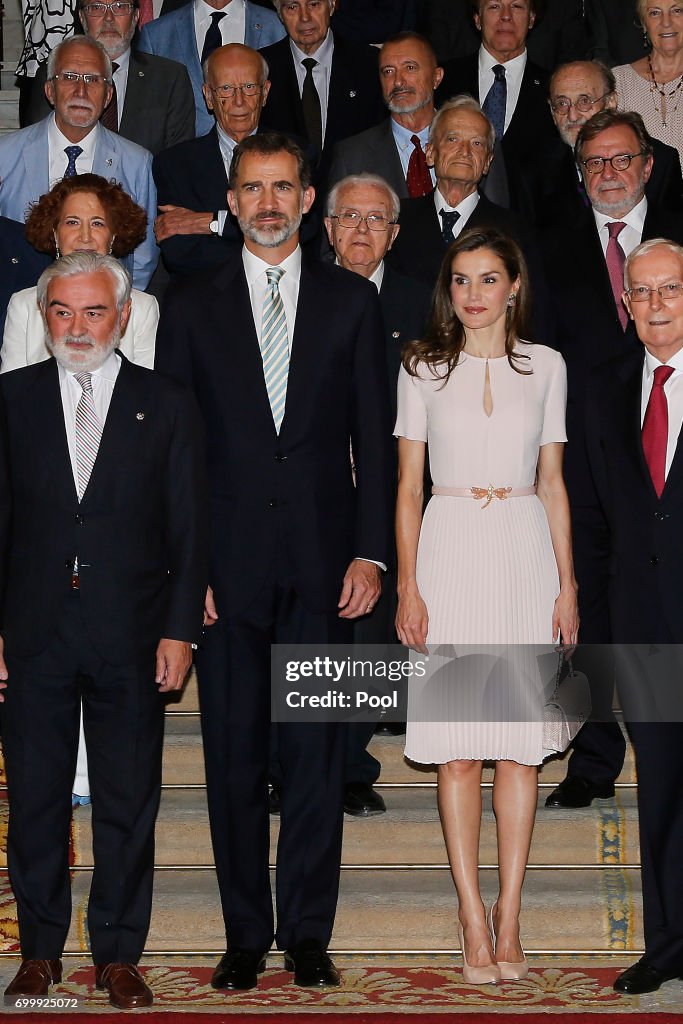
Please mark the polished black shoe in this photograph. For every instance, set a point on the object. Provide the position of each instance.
(390, 729)
(274, 799)
(641, 978)
(361, 800)
(239, 969)
(577, 792)
(312, 966)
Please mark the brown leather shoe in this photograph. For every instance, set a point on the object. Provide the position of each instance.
(125, 985)
(34, 978)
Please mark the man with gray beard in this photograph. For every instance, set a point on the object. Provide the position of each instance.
(102, 577)
(287, 362)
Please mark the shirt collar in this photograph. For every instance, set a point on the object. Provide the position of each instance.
(109, 370)
(635, 218)
(323, 54)
(203, 11)
(464, 208)
(514, 66)
(651, 363)
(376, 277)
(402, 136)
(254, 266)
(226, 142)
(57, 141)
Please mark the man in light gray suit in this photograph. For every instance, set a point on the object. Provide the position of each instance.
(190, 34)
(395, 149)
(71, 141)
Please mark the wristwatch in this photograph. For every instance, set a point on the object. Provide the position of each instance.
(213, 226)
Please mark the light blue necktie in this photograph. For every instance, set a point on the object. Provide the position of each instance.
(275, 346)
(495, 104)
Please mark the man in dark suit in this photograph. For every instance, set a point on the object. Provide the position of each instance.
(583, 263)
(292, 542)
(20, 264)
(325, 87)
(152, 103)
(634, 411)
(615, 34)
(512, 91)
(105, 468)
(577, 91)
(394, 149)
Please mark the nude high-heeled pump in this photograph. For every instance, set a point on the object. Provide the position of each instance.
(509, 971)
(489, 975)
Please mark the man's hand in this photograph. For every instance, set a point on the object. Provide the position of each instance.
(210, 613)
(361, 589)
(176, 220)
(174, 658)
(3, 670)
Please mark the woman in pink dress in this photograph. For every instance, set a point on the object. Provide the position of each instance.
(489, 564)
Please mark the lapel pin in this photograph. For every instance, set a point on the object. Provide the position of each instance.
(352, 94)
(15, 259)
(108, 162)
(139, 415)
(141, 74)
(258, 26)
(537, 81)
(395, 334)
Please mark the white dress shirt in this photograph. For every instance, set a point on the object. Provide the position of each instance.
(121, 82)
(631, 235)
(673, 389)
(232, 26)
(57, 158)
(402, 138)
(103, 381)
(465, 208)
(514, 72)
(321, 72)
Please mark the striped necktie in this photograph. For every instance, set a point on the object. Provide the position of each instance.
(275, 346)
(88, 432)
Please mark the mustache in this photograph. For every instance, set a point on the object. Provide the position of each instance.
(400, 90)
(78, 339)
(268, 215)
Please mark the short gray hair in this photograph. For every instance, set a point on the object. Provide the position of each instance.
(644, 248)
(362, 179)
(278, 5)
(463, 102)
(82, 41)
(265, 70)
(86, 263)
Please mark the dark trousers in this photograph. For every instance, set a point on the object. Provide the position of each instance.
(234, 691)
(123, 719)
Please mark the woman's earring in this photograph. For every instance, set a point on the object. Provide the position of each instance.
(111, 245)
(57, 252)
(512, 298)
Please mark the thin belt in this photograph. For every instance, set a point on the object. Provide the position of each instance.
(488, 493)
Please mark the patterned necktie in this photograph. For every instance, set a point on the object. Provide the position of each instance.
(146, 9)
(656, 428)
(448, 220)
(110, 114)
(616, 258)
(495, 104)
(213, 38)
(88, 432)
(418, 178)
(310, 101)
(275, 346)
(72, 153)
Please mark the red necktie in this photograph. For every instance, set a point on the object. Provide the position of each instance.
(418, 179)
(146, 9)
(110, 115)
(656, 428)
(615, 267)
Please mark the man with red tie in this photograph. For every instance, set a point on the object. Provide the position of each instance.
(634, 412)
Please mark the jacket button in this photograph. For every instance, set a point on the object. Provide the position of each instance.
(80, 520)
(272, 503)
(654, 560)
(280, 457)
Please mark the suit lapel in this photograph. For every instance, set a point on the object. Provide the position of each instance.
(106, 158)
(305, 346)
(187, 44)
(121, 434)
(135, 93)
(47, 420)
(37, 162)
(626, 414)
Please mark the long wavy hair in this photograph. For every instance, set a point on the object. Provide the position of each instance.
(444, 339)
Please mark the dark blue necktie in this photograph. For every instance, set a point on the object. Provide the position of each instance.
(448, 220)
(496, 101)
(73, 153)
(213, 38)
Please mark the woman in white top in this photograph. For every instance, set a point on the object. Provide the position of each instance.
(82, 213)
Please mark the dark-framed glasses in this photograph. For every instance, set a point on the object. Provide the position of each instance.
(248, 90)
(73, 77)
(118, 9)
(620, 162)
(352, 219)
(670, 291)
(562, 105)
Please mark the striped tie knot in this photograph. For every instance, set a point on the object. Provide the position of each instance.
(274, 274)
(85, 380)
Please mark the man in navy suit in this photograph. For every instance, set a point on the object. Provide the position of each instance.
(191, 34)
(72, 141)
(103, 572)
(296, 545)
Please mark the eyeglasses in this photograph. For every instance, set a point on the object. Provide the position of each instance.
(72, 77)
(352, 219)
(118, 9)
(670, 291)
(248, 90)
(562, 105)
(620, 162)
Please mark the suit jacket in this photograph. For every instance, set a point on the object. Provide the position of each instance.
(615, 34)
(530, 132)
(139, 530)
(373, 150)
(173, 36)
(291, 493)
(354, 100)
(158, 110)
(405, 306)
(20, 264)
(24, 177)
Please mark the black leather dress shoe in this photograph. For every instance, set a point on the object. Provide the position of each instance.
(312, 966)
(274, 799)
(640, 978)
(239, 969)
(361, 800)
(578, 792)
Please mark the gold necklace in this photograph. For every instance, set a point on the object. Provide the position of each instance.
(662, 110)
